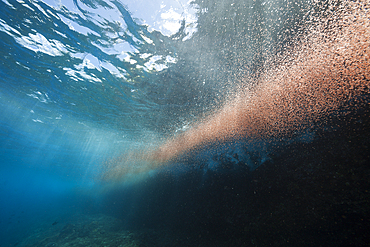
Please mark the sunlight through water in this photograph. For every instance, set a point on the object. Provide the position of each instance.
(233, 120)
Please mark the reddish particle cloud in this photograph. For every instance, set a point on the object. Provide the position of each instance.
(329, 67)
(326, 69)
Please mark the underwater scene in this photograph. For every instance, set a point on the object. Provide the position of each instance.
(139, 123)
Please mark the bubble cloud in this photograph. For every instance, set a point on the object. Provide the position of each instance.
(325, 70)
(314, 77)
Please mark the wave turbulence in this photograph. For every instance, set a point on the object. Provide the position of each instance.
(326, 70)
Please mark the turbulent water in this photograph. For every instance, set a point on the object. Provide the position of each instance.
(203, 123)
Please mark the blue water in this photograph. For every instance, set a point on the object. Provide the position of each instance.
(81, 82)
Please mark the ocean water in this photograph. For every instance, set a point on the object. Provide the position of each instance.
(184, 123)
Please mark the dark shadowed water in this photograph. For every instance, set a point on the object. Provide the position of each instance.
(175, 123)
